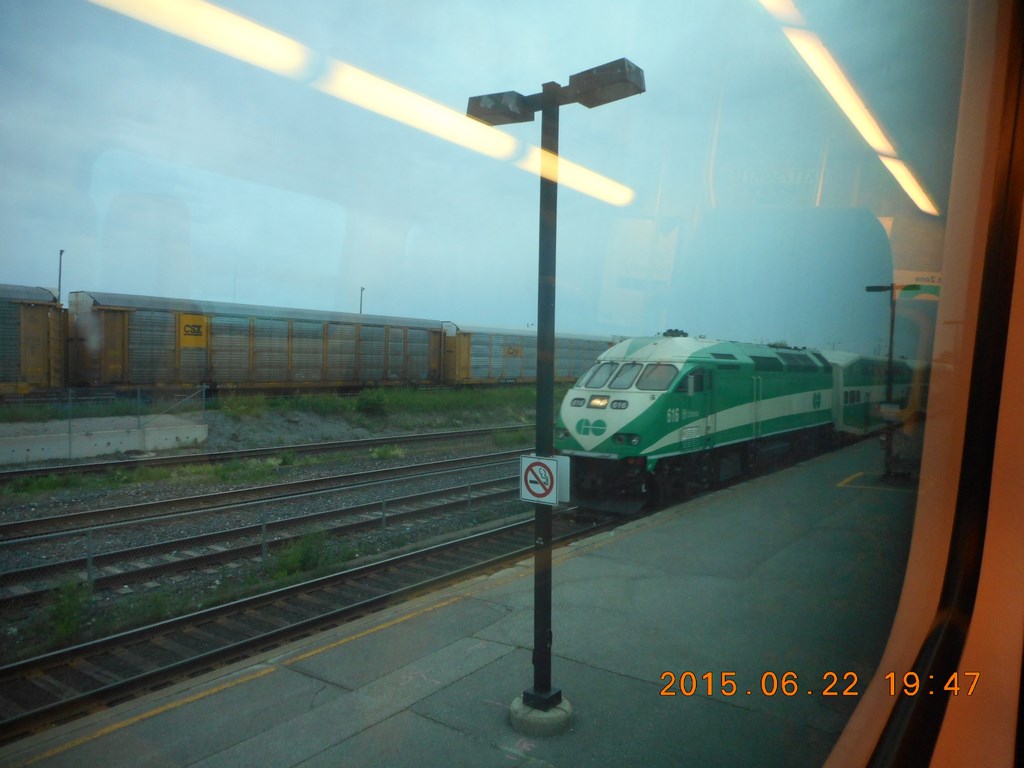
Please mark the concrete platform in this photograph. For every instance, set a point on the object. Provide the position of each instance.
(795, 572)
(25, 442)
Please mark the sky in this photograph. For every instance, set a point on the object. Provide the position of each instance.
(162, 167)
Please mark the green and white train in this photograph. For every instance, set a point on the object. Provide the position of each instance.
(657, 418)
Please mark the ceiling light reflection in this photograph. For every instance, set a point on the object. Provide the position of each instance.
(829, 73)
(221, 30)
(784, 12)
(363, 89)
(910, 185)
(567, 173)
(813, 51)
(218, 29)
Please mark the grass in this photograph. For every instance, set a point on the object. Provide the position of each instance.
(68, 611)
(72, 614)
(83, 406)
(513, 438)
(304, 556)
(397, 408)
(382, 452)
(238, 472)
(469, 406)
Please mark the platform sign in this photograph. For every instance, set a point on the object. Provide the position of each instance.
(544, 480)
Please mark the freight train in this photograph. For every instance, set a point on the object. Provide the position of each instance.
(124, 342)
(657, 418)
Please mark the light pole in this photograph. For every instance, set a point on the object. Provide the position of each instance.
(361, 289)
(591, 88)
(891, 289)
(60, 272)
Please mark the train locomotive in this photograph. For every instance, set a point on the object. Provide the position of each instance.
(658, 418)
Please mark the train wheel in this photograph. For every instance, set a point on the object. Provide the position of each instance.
(750, 460)
(703, 472)
(669, 484)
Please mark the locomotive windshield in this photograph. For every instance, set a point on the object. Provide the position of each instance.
(626, 376)
(657, 377)
(600, 374)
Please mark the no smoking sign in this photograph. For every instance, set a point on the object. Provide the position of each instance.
(544, 480)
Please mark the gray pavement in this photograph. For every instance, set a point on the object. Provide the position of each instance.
(790, 572)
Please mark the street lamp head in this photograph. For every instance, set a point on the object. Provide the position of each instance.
(500, 108)
(606, 83)
(877, 288)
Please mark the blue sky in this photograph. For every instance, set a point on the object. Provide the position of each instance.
(165, 168)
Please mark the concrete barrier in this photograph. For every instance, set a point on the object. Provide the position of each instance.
(22, 443)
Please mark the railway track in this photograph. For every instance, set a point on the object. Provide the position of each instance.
(226, 500)
(25, 586)
(9, 475)
(64, 684)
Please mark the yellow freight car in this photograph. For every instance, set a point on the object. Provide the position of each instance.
(475, 355)
(123, 340)
(32, 346)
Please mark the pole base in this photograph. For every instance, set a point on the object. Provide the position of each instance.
(539, 722)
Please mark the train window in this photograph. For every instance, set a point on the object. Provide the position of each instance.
(626, 376)
(765, 363)
(583, 377)
(657, 377)
(798, 362)
(600, 375)
(691, 383)
(821, 359)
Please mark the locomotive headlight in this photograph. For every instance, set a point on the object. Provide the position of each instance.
(626, 438)
(562, 434)
(598, 401)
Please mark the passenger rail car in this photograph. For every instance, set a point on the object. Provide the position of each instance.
(658, 417)
(32, 332)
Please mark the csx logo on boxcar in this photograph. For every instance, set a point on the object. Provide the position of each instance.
(192, 329)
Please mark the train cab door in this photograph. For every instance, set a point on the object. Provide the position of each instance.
(695, 387)
(702, 398)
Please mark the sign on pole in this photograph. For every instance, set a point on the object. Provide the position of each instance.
(544, 480)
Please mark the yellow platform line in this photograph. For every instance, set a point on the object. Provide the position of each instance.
(848, 483)
(114, 727)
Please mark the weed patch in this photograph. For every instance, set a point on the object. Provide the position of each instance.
(513, 438)
(69, 610)
(238, 406)
(303, 556)
(372, 402)
(249, 472)
(382, 452)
